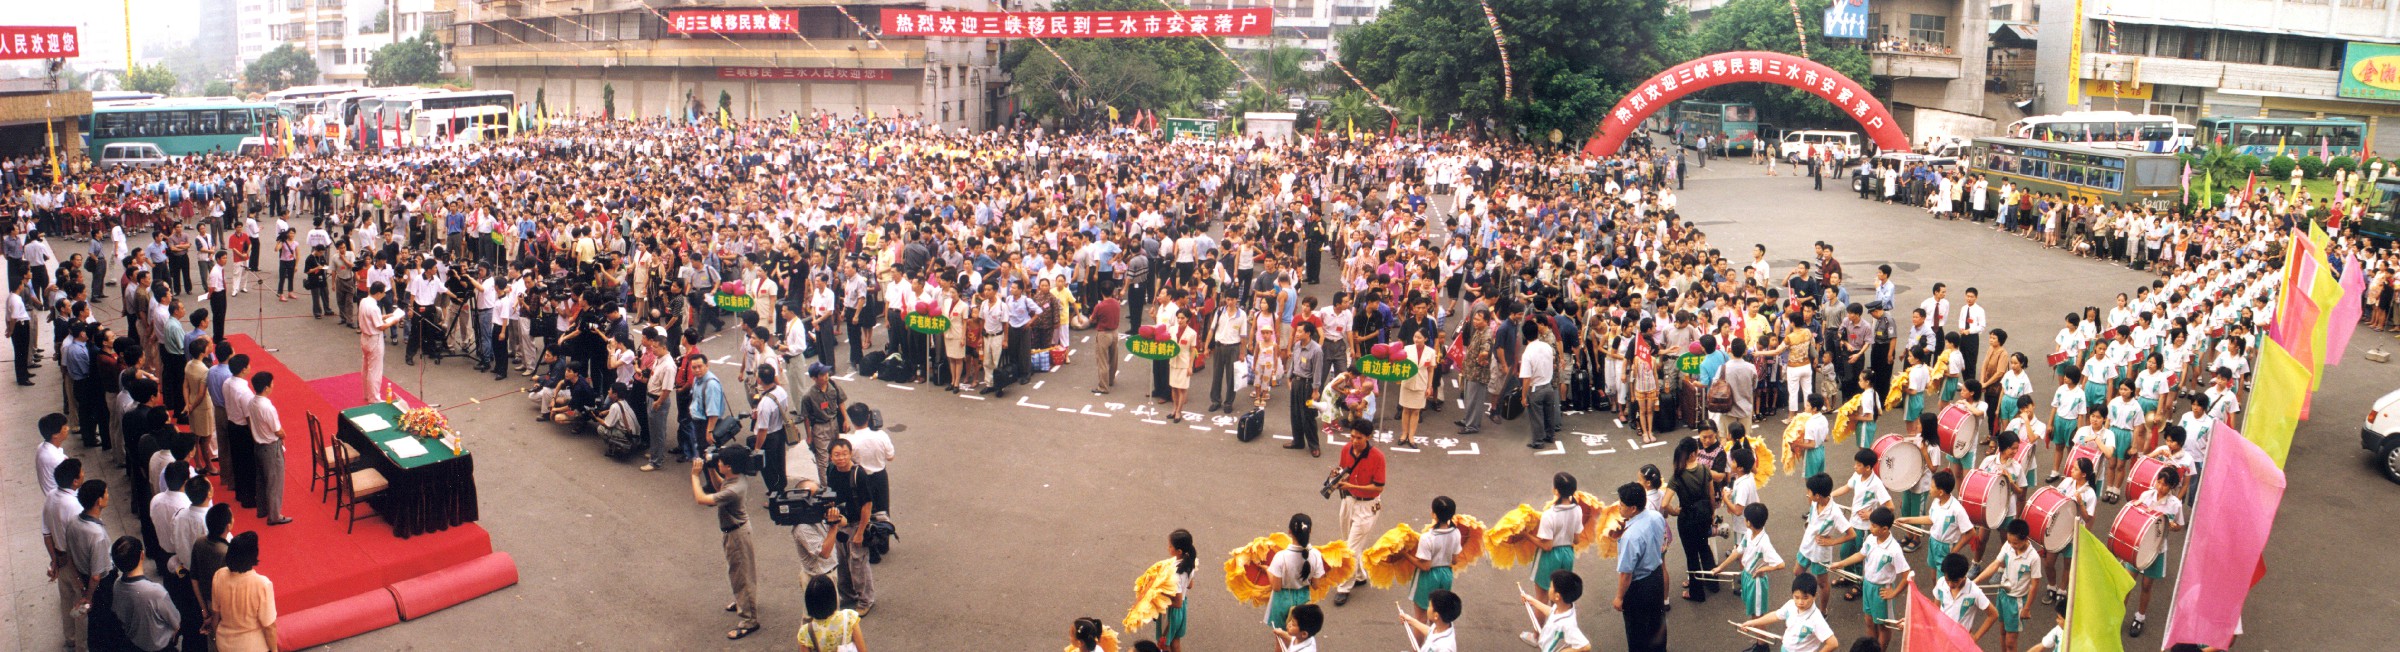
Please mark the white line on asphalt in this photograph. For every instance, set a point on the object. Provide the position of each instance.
(1087, 339)
(1128, 357)
(899, 386)
(1154, 422)
(1656, 444)
(1405, 449)
(1066, 409)
(1560, 449)
(847, 377)
(1472, 449)
(972, 396)
(1198, 427)
(1087, 409)
(1462, 403)
(1284, 437)
(1039, 383)
(1600, 451)
(1025, 401)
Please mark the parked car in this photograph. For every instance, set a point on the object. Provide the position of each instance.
(132, 154)
(2381, 434)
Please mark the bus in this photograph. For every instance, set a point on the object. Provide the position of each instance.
(2104, 174)
(2117, 129)
(177, 127)
(396, 113)
(2261, 137)
(462, 126)
(1731, 127)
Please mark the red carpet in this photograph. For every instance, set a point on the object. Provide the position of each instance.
(337, 582)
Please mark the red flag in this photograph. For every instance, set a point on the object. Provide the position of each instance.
(1930, 630)
(2247, 186)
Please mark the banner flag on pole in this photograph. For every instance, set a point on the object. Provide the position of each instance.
(2096, 596)
(2231, 520)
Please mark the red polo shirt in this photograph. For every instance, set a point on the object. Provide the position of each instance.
(1367, 470)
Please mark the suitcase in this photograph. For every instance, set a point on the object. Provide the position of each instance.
(1251, 426)
(890, 369)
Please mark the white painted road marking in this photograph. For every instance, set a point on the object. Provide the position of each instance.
(1472, 449)
(1026, 401)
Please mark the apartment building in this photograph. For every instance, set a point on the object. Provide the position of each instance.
(342, 35)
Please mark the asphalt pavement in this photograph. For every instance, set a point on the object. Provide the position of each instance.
(1018, 515)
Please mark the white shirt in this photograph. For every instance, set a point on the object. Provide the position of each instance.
(238, 398)
(189, 524)
(1885, 560)
(266, 423)
(1441, 641)
(1970, 318)
(1560, 523)
(370, 318)
(1950, 521)
(1804, 631)
(1560, 632)
(46, 459)
(1823, 522)
(1439, 546)
(2019, 570)
(1962, 604)
(1758, 551)
(1537, 364)
(871, 448)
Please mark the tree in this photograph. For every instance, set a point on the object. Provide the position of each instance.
(1571, 58)
(381, 24)
(1767, 25)
(417, 60)
(608, 101)
(153, 78)
(281, 68)
(1170, 75)
(217, 88)
(1279, 67)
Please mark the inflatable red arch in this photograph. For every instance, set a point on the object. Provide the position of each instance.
(1625, 119)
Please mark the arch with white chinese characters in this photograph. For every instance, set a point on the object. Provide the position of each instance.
(1625, 119)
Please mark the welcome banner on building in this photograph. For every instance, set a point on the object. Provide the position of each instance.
(1079, 24)
(18, 42)
(734, 21)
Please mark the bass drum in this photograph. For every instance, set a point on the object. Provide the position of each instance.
(1899, 463)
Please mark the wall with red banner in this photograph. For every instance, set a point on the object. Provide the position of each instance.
(38, 42)
(810, 74)
(1079, 24)
(734, 21)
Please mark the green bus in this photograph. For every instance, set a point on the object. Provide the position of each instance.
(2104, 174)
(1731, 127)
(2297, 137)
(179, 127)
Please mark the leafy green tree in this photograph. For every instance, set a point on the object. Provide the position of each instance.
(1279, 67)
(217, 88)
(1571, 58)
(1767, 25)
(153, 78)
(281, 68)
(381, 24)
(1170, 75)
(416, 60)
(608, 101)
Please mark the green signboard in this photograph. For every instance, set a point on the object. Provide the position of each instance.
(1385, 370)
(734, 302)
(1150, 349)
(928, 324)
(1178, 128)
(1689, 363)
(2370, 71)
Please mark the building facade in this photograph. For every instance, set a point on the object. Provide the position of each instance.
(575, 55)
(1310, 24)
(342, 35)
(2226, 58)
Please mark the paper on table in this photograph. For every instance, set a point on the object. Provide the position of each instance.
(370, 422)
(405, 447)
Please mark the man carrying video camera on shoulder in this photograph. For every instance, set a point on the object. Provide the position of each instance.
(717, 482)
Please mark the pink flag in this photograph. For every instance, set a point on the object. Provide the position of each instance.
(2228, 538)
(1930, 630)
(2344, 319)
(2295, 320)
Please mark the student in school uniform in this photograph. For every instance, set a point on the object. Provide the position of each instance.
(2067, 407)
(1294, 569)
(1299, 633)
(2056, 639)
(1945, 519)
(1884, 572)
(1913, 392)
(1172, 624)
(2019, 566)
(1437, 630)
(1756, 554)
(1813, 436)
(1560, 523)
(1553, 613)
(1435, 551)
(1804, 626)
(1866, 493)
(1962, 600)
(2078, 486)
(2164, 496)
(2125, 414)
(1825, 531)
(2174, 453)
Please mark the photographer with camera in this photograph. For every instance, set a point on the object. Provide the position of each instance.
(717, 482)
(854, 495)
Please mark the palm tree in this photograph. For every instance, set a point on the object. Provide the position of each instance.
(1280, 64)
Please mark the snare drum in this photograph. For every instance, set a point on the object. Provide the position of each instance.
(1987, 498)
(2060, 357)
(2050, 516)
(2143, 475)
(1899, 462)
(1959, 431)
(2138, 535)
(2099, 463)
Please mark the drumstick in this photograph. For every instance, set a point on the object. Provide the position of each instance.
(1760, 635)
(1847, 575)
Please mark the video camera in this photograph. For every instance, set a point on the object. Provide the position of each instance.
(800, 506)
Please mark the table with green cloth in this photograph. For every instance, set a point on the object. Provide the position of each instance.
(430, 492)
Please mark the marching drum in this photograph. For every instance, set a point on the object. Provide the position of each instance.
(1959, 431)
(1987, 499)
(2086, 453)
(2050, 515)
(2138, 535)
(2142, 476)
(1899, 462)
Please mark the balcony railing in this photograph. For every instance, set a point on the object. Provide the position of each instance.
(819, 53)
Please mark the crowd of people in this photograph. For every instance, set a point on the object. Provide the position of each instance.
(593, 259)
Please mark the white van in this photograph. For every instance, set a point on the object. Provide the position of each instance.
(1800, 143)
(251, 146)
(134, 154)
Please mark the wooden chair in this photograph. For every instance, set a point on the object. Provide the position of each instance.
(323, 462)
(354, 487)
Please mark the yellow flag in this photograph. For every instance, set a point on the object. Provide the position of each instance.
(2075, 60)
(2279, 146)
(2326, 292)
(2275, 400)
(2096, 596)
(1112, 114)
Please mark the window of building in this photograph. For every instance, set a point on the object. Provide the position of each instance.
(294, 5)
(329, 4)
(2298, 52)
(341, 57)
(329, 27)
(2004, 12)
(2239, 47)
(1929, 30)
(2183, 102)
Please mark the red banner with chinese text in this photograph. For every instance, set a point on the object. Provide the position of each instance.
(805, 74)
(38, 42)
(1079, 24)
(734, 21)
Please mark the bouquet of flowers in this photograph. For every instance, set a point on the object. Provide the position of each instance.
(425, 422)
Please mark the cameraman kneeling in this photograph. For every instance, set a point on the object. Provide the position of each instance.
(719, 470)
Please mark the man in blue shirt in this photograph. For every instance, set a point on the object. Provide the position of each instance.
(707, 407)
(1641, 587)
(76, 356)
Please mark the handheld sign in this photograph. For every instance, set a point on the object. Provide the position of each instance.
(1152, 349)
(928, 324)
(1688, 363)
(1385, 370)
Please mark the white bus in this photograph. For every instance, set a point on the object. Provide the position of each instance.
(2120, 129)
(461, 126)
(398, 112)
